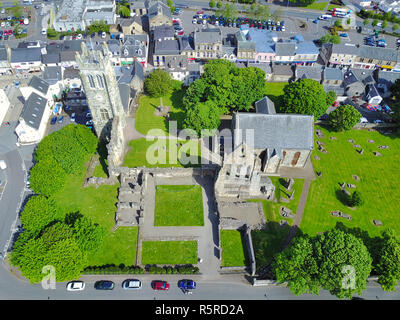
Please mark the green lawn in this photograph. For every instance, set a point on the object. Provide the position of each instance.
(169, 252)
(145, 154)
(317, 6)
(234, 251)
(101, 169)
(378, 186)
(145, 118)
(274, 91)
(268, 242)
(179, 206)
(100, 205)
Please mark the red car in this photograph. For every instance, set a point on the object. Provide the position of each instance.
(200, 12)
(160, 285)
(10, 32)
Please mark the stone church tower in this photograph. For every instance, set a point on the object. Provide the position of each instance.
(101, 88)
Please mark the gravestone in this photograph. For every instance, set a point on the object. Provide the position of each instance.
(319, 134)
(319, 173)
(292, 195)
(351, 140)
(317, 158)
(377, 154)
(371, 141)
(320, 143)
(286, 212)
(383, 147)
(289, 184)
(377, 223)
(342, 185)
(346, 192)
(351, 186)
(333, 138)
(357, 178)
(360, 151)
(356, 146)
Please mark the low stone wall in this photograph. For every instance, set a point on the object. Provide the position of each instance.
(375, 125)
(258, 283)
(250, 250)
(235, 270)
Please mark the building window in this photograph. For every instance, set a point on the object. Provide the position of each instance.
(100, 81)
(91, 81)
(104, 115)
(295, 158)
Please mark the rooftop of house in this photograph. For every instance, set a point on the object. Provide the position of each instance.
(159, 8)
(385, 54)
(33, 110)
(71, 73)
(163, 32)
(209, 35)
(306, 47)
(264, 39)
(266, 67)
(285, 49)
(388, 76)
(26, 55)
(345, 49)
(333, 74)
(281, 69)
(350, 78)
(275, 131)
(366, 76)
(170, 47)
(52, 74)
(3, 53)
(51, 58)
(309, 72)
(39, 84)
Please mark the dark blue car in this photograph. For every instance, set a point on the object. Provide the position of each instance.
(104, 285)
(187, 284)
(53, 120)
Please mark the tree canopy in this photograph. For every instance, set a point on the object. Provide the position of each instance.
(344, 118)
(388, 266)
(158, 83)
(336, 261)
(305, 96)
(202, 115)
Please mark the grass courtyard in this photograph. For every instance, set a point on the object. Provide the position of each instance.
(151, 154)
(317, 6)
(379, 182)
(274, 91)
(268, 242)
(145, 118)
(179, 206)
(234, 251)
(119, 246)
(169, 252)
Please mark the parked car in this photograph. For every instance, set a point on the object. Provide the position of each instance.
(104, 285)
(75, 286)
(363, 120)
(160, 285)
(344, 35)
(79, 37)
(44, 31)
(73, 117)
(187, 284)
(60, 119)
(89, 122)
(93, 35)
(53, 120)
(378, 121)
(104, 35)
(132, 284)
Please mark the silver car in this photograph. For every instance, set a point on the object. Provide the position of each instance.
(132, 284)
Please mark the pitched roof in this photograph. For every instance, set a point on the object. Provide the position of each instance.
(3, 53)
(26, 54)
(333, 74)
(52, 74)
(50, 58)
(166, 47)
(159, 8)
(275, 131)
(345, 49)
(208, 35)
(265, 106)
(306, 72)
(163, 31)
(39, 84)
(282, 69)
(266, 67)
(33, 110)
(388, 54)
(285, 48)
(350, 78)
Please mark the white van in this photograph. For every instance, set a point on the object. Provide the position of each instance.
(26, 21)
(363, 120)
(325, 17)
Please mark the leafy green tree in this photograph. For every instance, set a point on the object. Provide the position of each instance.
(388, 266)
(158, 83)
(384, 24)
(344, 263)
(211, 4)
(329, 38)
(246, 78)
(89, 236)
(124, 11)
(297, 266)
(305, 96)
(219, 4)
(85, 138)
(356, 199)
(344, 118)
(366, 22)
(338, 23)
(195, 93)
(331, 97)
(170, 4)
(202, 115)
(303, 2)
(395, 27)
(47, 177)
(38, 212)
(375, 22)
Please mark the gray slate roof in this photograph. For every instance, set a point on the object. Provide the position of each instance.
(51, 58)
(266, 67)
(333, 74)
(52, 75)
(169, 47)
(285, 49)
(304, 72)
(164, 31)
(265, 106)
(159, 7)
(26, 54)
(39, 84)
(282, 70)
(33, 110)
(208, 36)
(389, 54)
(344, 49)
(3, 53)
(277, 131)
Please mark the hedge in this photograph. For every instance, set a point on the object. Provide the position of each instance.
(153, 269)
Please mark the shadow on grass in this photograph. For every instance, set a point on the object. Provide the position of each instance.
(178, 114)
(342, 197)
(103, 154)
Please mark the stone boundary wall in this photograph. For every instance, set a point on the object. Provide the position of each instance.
(166, 172)
(365, 125)
(236, 270)
(250, 250)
